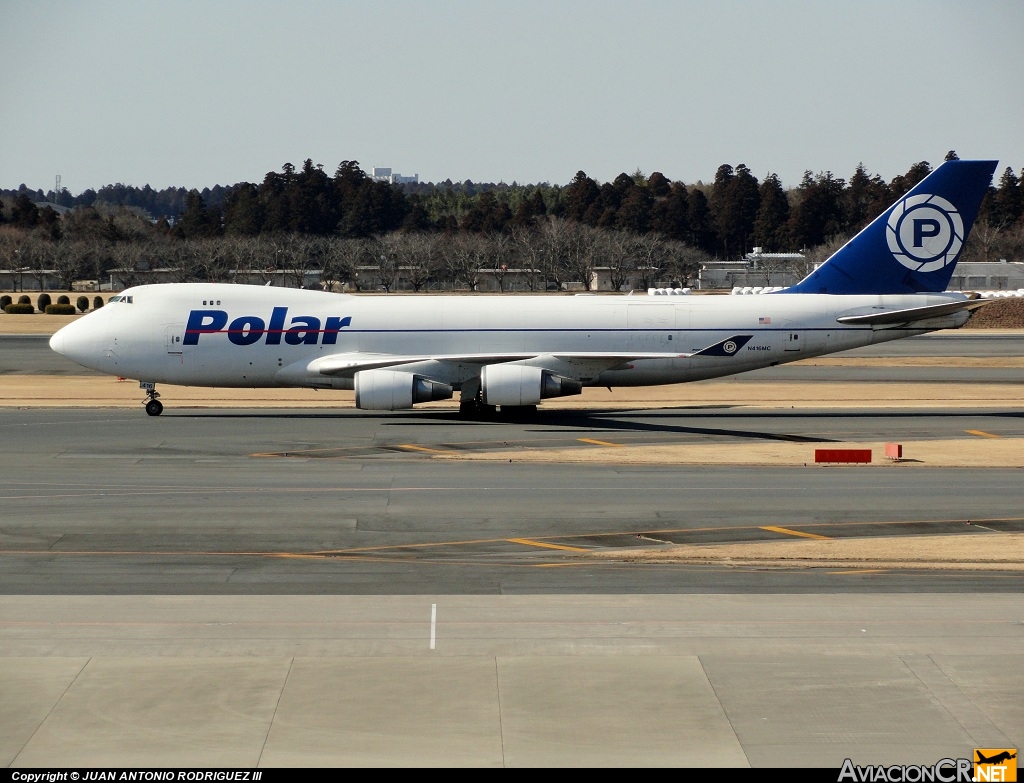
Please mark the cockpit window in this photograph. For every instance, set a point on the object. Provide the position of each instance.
(121, 298)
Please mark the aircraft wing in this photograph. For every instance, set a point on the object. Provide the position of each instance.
(350, 363)
(347, 364)
(882, 317)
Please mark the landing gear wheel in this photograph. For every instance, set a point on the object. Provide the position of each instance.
(153, 406)
(475, 409)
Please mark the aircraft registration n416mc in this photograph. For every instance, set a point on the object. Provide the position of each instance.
(511, 352)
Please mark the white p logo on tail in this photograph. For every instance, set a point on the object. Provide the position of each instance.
(925, 233)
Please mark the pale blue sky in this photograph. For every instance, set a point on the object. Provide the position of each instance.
(195, 94)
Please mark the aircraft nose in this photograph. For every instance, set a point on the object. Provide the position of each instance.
(57, 341)
(81, 340)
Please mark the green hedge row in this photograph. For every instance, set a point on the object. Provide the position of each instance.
(24, 304)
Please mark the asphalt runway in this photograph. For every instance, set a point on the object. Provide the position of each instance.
(278, 502)
(237, 587)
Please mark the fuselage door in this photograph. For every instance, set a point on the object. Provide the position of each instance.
(793, 342)
(174, 334)
(650, 326)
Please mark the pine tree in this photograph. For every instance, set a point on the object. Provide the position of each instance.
(1007, 203)
(670, 215)
(771, 223)
(581, 193)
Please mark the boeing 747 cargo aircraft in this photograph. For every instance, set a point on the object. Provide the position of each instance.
(509, 353)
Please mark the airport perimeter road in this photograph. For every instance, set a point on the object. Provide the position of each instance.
(101, 501)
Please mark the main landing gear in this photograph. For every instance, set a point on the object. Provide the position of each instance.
(474, 409)
(153, 406)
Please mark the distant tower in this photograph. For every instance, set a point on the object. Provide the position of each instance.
(56, 191)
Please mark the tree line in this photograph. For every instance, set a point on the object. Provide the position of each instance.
(548, 256)
(425, 234)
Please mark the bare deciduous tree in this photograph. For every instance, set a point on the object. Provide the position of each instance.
(581, 253)
(683, 261)
(651, 258)
(554, 243)
(501, 249)
(465, 255)
(529, 252)
(387, 257)
(342, 262)
(421, 259)
(68, 262)
(618, 251)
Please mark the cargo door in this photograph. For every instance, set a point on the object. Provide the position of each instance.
(174, 333)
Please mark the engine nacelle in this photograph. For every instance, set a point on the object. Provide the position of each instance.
(517, 384)
(390, 390)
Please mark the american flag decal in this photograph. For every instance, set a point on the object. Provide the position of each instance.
(764, 320)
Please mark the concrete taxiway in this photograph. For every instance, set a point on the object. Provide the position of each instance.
(269, 587)
(516, 681)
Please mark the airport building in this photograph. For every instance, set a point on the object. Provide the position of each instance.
(383, 174)
(756, 268)
(785, 269)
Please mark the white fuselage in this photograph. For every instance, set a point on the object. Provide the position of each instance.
(249, 336)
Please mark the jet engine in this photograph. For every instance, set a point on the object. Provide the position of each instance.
(517, 384)
(390, 390)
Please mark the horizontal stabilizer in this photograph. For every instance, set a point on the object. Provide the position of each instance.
(879, 317)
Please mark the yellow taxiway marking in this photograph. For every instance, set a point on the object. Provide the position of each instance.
(528, 542)
(413, 447)
(564, 565)
(599, 442)
(982, 434)
(788, 532)
(862, 571)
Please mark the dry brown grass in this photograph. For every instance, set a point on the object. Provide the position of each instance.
(968, 452)
(981, 550)
(1000, 314)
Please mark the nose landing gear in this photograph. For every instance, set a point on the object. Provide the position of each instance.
(153, 406)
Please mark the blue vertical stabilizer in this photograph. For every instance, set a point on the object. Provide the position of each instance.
(914, 245)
